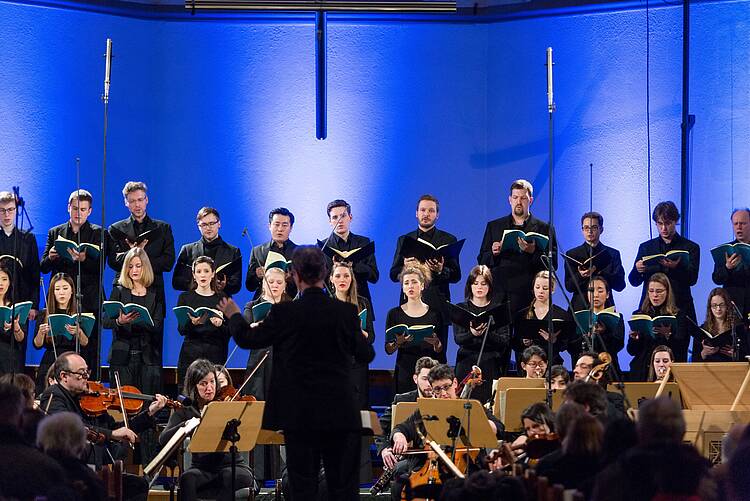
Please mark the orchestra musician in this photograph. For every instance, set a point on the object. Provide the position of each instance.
(480, 297)
(60, 299)
(423, 390)
(71, 375)
(659, 301)
(207, 469)
(414, 280)
(661, 360)
(404, 436)
(533, 362)
(204, 337)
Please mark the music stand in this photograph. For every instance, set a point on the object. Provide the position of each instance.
(228, 427)
(715, 399)
(510, 403)
(437, 413)
(639, 392)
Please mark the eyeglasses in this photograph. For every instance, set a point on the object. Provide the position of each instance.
(590, 228)
(82, 374)
(719, 306)
(208, 224)
(10, 210)
(441, 389)
(534, 365)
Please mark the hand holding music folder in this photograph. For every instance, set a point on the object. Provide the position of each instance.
(500, 315)
(528, 328)
(58, 321)
(423, 250)
(510, 240)
(599, 261)
(645, 324)
(63, 244)
(352, 256)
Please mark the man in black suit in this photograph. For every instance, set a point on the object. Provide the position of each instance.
(311, 397)
(71, 374)
(139, 230)
(512, 271)
(444, 271)
(280, 224)
(23, 268)
(733, 274)
(365, 270)
(682, 272)
(423, 390)
(229, 279)
(78, 229)
(444, 385)
(25, 473)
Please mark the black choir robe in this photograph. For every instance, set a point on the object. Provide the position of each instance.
(680, 278)
(365, 270)
(438, 292)
(218, 250)
(513, 272)
(258, 260)
(90, 286)
(26, 283)
(160, 249)
(642, 347)
(614, 274)
(126, 338)
(736, 282)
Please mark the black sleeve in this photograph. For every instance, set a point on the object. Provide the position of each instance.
(176, 420)
(182, 276)
(46, 264)
(163, 260)
(485, 256)
(398, 261)
(615, 273)
(234, 280)
(252, 282)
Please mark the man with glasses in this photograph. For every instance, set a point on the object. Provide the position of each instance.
(734, 274)
(228, 258)
(682, 270)
(71, 375)
(139, 230)
(577, 270)
(280, 224)
(444, 385)
(21, 246)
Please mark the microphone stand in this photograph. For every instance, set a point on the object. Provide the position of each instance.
(551, 112)
(735, 337)
(15, 281)
(79, 297)
(102, 239)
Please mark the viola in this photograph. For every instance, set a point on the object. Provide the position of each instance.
(426, 482)
(98, 399)
(599, 370)
(231, 394)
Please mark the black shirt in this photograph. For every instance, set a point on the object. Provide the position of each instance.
(613, 273)
(365, 270)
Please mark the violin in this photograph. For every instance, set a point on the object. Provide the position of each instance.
(426, 482)
(598, 371)
(98, 399)
(472, 379)
(230, 394)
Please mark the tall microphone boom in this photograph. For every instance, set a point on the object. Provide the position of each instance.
(550, 94)
(107, 70)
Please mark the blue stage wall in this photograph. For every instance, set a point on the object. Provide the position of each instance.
(222, 112)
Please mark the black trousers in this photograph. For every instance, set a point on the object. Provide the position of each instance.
(340, 452)
(194, 479)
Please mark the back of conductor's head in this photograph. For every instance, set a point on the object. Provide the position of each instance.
(309, 265)
(660, 420)
(11, 405)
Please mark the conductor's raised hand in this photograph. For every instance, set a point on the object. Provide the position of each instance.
(228, 307)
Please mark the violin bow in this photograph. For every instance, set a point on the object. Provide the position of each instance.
(265, 356)
(122, 404)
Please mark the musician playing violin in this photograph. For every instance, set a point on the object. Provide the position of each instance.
(444, 385)
(71, 374)
(207, 469)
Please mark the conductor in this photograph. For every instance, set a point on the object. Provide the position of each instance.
(311, 398)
